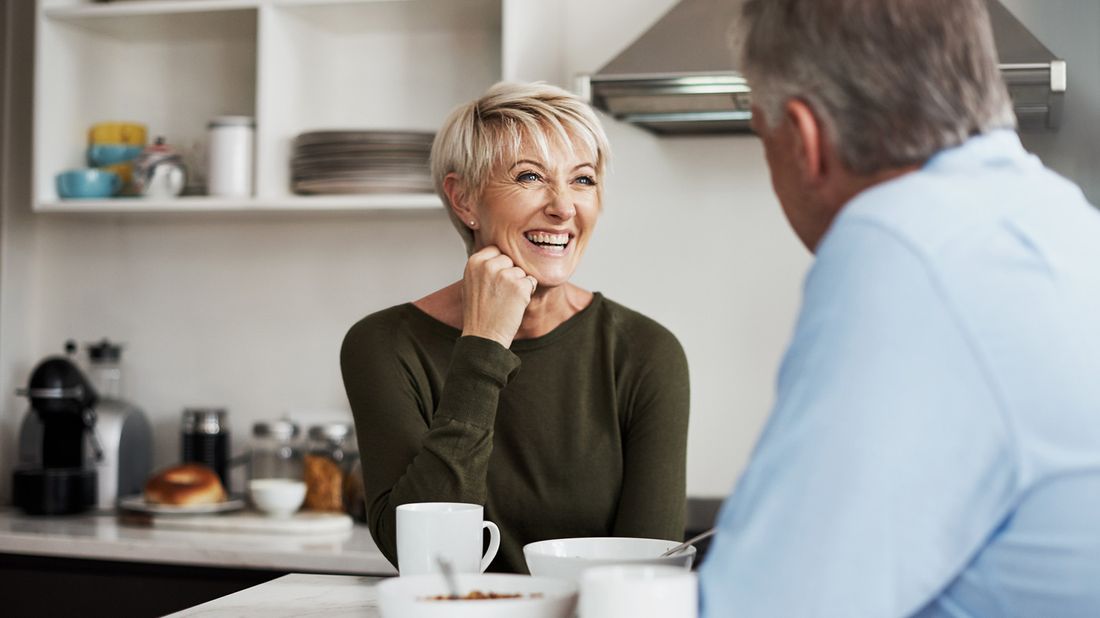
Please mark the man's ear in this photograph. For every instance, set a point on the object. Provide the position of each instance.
(456, 195)
(809, 141)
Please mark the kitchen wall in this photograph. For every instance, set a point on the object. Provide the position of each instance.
(248, 311)
(1069, 28)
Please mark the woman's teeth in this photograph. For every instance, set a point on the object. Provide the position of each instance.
(549, 240)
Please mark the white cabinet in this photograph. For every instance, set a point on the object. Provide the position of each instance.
(296, 65)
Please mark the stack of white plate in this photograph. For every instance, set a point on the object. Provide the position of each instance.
(340, 162)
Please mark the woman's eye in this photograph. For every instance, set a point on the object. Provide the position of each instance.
(528, 177)
(587, 180)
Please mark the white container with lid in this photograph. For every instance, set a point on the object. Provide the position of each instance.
(230, 156)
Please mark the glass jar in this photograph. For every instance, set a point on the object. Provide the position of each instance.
(275, 453)
(327, 463)
(204, 438)
(104, 366)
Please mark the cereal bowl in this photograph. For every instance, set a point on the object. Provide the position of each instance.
(568, 558)
(424, 596)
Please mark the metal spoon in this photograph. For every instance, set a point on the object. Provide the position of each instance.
(688, 543)
(449, 576)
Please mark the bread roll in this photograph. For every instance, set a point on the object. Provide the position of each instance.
(185, 485)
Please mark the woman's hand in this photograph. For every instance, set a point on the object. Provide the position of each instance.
(495, 293)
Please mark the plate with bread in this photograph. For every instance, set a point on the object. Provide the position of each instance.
(187, 489)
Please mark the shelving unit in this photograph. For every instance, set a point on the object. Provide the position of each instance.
(295, 65)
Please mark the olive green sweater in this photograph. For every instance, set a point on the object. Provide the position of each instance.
(580, 432)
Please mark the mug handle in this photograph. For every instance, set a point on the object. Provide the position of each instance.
(494, 544)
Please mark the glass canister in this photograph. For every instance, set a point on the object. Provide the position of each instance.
(105, 368)
(327, 462)
(275, 453)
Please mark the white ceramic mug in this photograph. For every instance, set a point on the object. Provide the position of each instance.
(429, 531)
(638, 591)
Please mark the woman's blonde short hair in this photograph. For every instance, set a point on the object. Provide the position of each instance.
(479, 136)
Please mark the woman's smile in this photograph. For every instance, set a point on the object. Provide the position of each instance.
(554, 244)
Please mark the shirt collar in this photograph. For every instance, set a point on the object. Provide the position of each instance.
(998, 148)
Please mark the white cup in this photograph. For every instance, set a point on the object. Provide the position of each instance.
(452, 531)
(638, 591)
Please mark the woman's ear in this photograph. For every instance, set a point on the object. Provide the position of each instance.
(460, 204)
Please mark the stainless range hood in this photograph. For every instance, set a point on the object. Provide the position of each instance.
(680, 76)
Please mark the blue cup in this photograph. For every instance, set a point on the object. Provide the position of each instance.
(88, 183)
(102, 155)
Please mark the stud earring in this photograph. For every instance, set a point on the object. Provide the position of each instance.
(473, 223)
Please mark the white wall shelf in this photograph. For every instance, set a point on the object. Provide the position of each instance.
(318, 203)
(294, 65)
(145, 7)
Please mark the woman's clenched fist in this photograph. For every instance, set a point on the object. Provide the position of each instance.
(495, 294)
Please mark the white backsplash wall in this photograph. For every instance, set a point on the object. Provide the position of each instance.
(239, 312)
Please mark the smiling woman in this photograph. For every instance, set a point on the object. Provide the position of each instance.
(562, 412)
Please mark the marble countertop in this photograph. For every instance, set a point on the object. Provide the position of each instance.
(102, 536)
(297, 594)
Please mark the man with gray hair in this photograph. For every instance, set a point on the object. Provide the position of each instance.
(934, 449)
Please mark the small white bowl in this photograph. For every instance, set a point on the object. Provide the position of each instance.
(634, 590)
(568, 558)
(410, 597)
(277, 497)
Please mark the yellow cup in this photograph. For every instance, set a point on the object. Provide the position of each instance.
(127, 133)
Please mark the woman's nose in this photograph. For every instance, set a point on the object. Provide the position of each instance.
(561, 204)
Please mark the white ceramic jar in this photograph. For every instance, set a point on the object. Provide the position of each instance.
(229, 156)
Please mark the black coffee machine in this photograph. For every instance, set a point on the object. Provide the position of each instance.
(65, 480)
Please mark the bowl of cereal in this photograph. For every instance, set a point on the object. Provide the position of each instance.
(568, 558)
(486, 595)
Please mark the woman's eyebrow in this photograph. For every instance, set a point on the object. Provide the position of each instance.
(527, 161)
(541, 166)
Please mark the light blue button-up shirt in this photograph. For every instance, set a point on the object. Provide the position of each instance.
(935, 445)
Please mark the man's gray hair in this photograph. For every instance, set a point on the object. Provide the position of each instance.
(892, 81)
(480, 135)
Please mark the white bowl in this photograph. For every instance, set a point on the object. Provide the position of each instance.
(633, 590)
(409, 597)
(568, 558)
(277, 497)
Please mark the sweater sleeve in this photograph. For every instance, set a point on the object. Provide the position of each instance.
(410, 452)
(652, 499)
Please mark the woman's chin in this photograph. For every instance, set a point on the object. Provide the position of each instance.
(548, 281)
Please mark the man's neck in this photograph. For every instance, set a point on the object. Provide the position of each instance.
(846, 188)
(858, 184)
